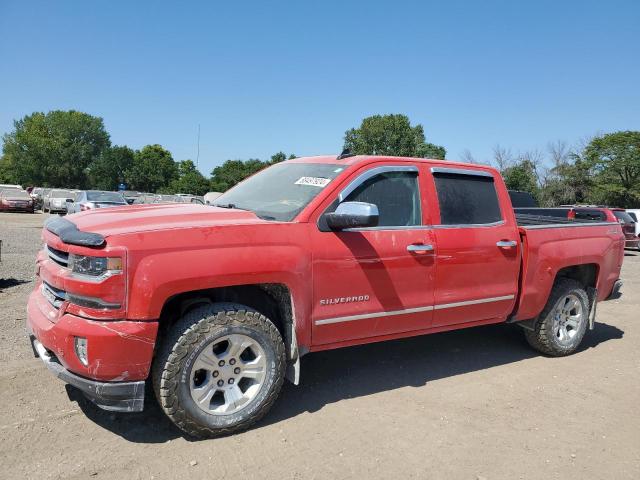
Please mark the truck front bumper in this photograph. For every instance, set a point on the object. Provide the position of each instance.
(114, 396)
(118, 353)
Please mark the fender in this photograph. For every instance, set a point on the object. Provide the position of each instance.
(547, 255)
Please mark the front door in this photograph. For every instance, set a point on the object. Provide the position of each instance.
(375, 281)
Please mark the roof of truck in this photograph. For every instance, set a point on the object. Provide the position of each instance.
(367, 158)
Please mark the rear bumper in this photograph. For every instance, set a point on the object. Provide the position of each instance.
(114, 396)
(17, 209)
(632, 243)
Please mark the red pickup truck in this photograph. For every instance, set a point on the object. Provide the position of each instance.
(214, 306)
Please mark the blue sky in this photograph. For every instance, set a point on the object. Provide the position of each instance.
(260, 77)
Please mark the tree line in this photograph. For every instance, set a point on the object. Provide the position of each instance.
(73, 149)
(602, 170)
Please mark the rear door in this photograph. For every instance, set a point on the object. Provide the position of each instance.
(478, 256)
(375, 281)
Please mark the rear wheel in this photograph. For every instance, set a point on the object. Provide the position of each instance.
(561, 326)
(219, 370)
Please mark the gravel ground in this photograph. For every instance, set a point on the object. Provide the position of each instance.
(471, 404)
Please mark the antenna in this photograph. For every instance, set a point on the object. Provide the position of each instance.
(346, 153)
(198, 154)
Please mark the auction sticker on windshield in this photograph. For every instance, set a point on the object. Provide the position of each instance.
(313, 181)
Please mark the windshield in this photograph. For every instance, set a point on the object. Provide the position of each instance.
(633, 216)
(105, 197)
(623, 217)
(281, 191)
(61, 194)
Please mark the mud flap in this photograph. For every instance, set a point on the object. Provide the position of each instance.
(592, 293)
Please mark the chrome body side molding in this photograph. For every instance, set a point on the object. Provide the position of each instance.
(364, 316)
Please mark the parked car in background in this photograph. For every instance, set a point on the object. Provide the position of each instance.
(145, 198)
(162, 198)
(92, 199)
(635, 214)
(14, 200)
(188, 198)
(628, 228)
(6, 186)
(56, 201)
(209, 197)
(130, 196)
(37, 195)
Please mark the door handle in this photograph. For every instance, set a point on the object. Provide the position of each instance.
(506, 243)
(419, 248)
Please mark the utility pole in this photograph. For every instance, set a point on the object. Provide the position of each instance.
(198, 154)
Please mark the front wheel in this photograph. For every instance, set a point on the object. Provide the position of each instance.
(219, 370)
(562, 324)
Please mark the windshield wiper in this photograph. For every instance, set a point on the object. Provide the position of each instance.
(230, 205)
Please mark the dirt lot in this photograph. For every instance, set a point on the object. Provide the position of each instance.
(471, 404)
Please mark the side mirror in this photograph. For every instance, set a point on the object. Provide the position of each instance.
(69, 200)
(353, 215)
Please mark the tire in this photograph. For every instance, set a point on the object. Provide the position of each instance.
(561, 326)
(188, 367)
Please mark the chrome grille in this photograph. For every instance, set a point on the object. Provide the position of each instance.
(54, 295)
(58, 256)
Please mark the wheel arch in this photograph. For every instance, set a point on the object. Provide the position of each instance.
(586, 274)
(273, 300)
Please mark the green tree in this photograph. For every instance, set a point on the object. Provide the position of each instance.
(6, 170)
(390, 135)
(189, 180)
(569, 183)
(281, 157)
(152, 168)
(54, 149)
(522, 177)
(108, 171)
(615, 161)
(233, 172)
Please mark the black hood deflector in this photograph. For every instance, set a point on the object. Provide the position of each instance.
(69, 233)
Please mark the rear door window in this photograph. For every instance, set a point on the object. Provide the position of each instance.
(466, 199)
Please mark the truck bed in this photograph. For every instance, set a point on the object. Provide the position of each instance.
(550, 244)
(533, 220)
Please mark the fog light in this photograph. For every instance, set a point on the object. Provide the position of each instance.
(81, 350)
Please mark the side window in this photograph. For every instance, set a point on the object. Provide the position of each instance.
(396, 195)
(466, 199)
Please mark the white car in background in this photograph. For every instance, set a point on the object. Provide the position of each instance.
(92, 199)
(56, 200)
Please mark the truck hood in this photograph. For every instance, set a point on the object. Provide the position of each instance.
(144, 218)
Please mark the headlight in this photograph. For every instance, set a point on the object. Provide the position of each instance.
(94, 266)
